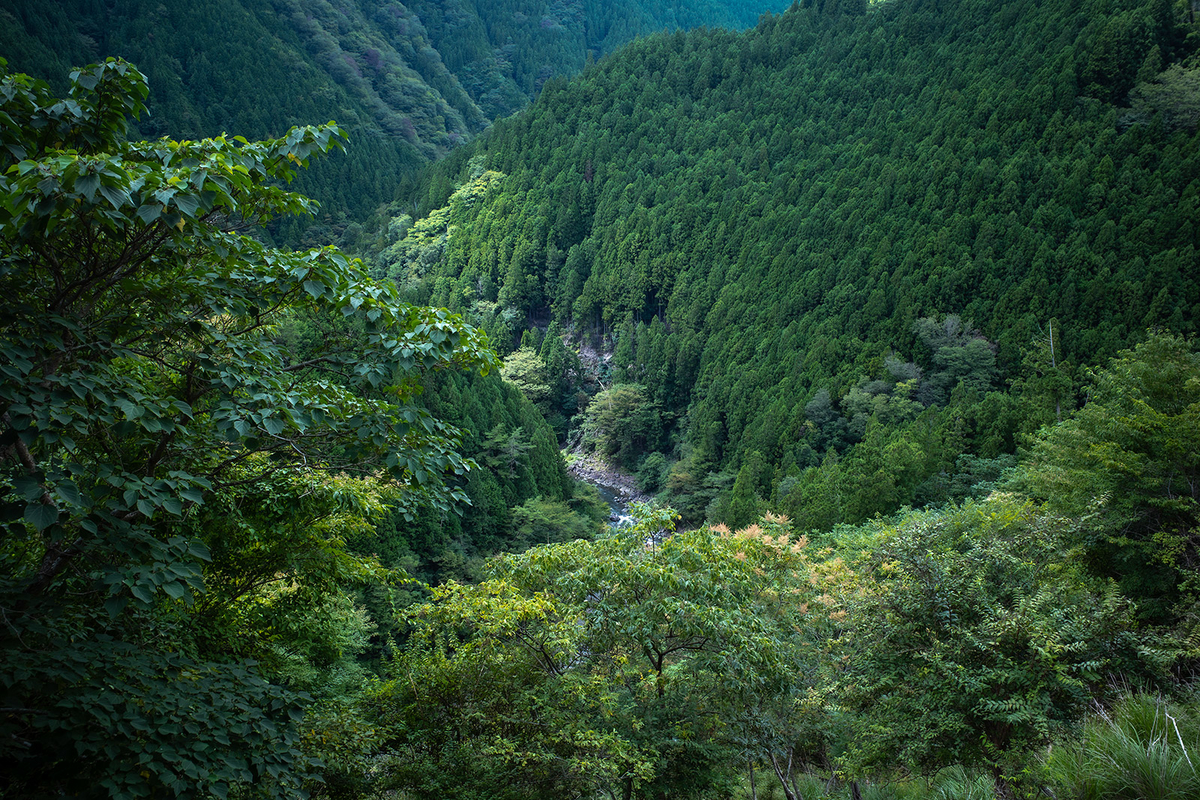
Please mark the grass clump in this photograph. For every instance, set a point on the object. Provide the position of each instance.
(1145, 748)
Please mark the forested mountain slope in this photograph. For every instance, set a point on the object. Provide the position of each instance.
(842, 252)
(835, 265)
(410, 81)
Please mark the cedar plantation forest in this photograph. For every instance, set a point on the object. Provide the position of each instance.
(884, 312)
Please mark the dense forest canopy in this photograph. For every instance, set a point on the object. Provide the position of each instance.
(892, 303)
(892, 238)
(409, 81)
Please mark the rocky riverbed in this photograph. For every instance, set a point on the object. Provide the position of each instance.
(621, 487)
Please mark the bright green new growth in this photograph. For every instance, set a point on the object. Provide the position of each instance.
(631, 664)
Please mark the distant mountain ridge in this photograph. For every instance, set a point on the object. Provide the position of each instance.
(410, 81)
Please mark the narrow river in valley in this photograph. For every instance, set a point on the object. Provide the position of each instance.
(618, 509)
(616, 489)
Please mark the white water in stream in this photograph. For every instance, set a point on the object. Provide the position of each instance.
(618, 512)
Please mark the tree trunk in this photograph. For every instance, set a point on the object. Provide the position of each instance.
(1054, 366)
(753, 787)
(784, 776)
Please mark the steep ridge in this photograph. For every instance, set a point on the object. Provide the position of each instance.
(409, 81)
(843, 232)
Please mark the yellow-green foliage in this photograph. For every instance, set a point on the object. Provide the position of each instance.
(636, 660)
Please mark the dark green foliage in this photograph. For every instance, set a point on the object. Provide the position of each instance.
(977, 639)
(308, 62)
(973, 478)
(102, 717)
(652, 473)
(742, 504)
(518, 495)
(1130, 460)
(835, 217)
(147, 373)
(410, 82)
(837, 265)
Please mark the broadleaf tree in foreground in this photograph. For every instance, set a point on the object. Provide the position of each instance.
(143, 368)
(974, 636)
(636, 665)
(1130, 461)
